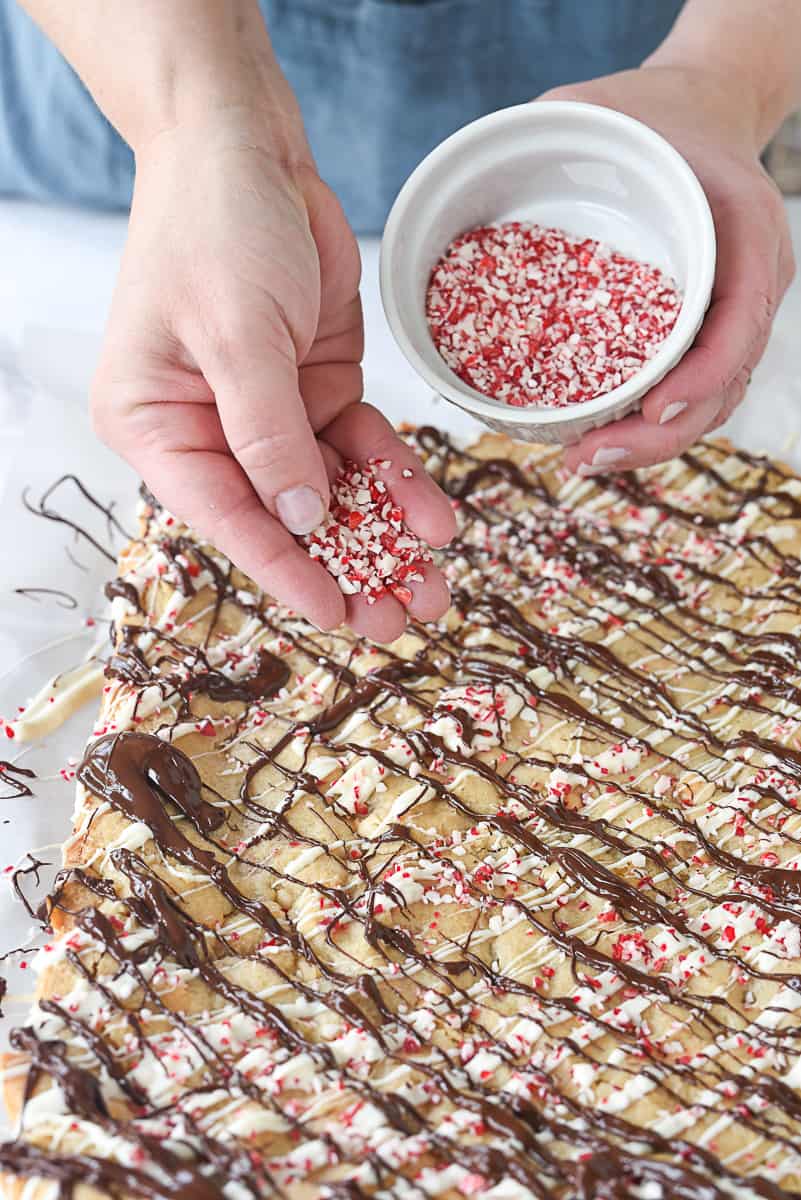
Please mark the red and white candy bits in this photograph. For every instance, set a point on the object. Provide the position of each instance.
(529, 315)
(364, 542)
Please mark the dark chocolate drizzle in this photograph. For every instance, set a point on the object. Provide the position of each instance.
(62, 598)
(33, 867)
(14, 779)
(139, 774)
(124, 590)
(542, 1137)
(43, 507)
(266, 680)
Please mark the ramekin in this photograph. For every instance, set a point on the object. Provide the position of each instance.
(580, 167)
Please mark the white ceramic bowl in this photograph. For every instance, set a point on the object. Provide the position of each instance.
(586, 169)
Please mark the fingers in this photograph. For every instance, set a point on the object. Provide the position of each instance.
(213, 495)
(634, 442)
(431, 595)
(328, 388)
(183, 457)
(254, 376)
(743, 306)
(732, 399)
(380, 622)
(361, 432)
(427, 599)
(702, 391)
(333, 461)
(787, 265)
(386, 619)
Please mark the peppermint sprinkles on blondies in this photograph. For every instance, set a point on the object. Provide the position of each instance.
(507, 910)
(533, 316)
(364, 541)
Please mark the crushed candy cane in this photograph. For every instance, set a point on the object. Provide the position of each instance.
(532, 316)
(364, 542)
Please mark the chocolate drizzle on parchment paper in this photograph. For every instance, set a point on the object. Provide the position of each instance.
(46, 507)
(585, 933)
(15, 781)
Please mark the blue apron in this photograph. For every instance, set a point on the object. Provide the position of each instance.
(380, 83)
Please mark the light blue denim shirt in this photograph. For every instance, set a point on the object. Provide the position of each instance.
(380, 83)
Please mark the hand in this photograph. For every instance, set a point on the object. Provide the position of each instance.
(698, 113)
(230, 376)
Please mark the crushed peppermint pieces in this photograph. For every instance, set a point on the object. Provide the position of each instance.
(364, 542)
(532, 316)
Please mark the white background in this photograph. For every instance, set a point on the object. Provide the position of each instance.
(55, 288)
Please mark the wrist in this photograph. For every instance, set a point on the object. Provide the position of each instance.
(264, 121)
(720, 90)
(214, 62)
(751, 54)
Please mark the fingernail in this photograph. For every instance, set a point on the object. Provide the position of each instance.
(300, 509)
(602, 459)
(607, 456)
(672, 411)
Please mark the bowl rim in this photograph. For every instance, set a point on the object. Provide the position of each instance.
(675, 345)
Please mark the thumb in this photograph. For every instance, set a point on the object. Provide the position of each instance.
(255, 383)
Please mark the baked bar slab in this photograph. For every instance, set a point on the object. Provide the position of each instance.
(510, 909)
